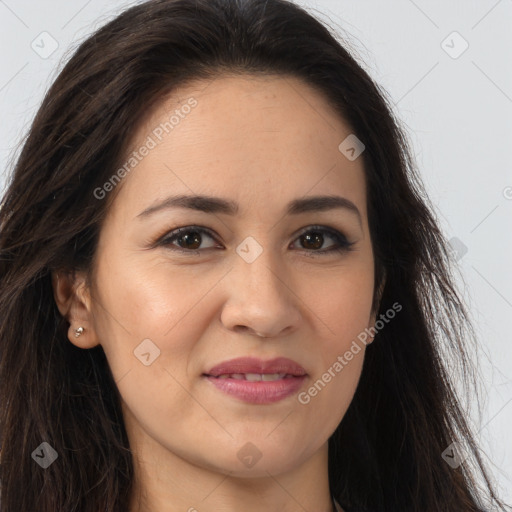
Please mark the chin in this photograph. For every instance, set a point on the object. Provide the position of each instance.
(254, 459)
(263, 468)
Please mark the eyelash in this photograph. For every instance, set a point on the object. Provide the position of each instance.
(341, 246)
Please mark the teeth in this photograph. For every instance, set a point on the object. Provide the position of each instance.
(272, 376)
(253, 377)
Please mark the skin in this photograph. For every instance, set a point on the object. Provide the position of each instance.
(262, 142)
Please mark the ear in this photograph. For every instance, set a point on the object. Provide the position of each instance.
(73, 300)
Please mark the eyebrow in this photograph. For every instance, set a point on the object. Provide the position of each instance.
(211, 204)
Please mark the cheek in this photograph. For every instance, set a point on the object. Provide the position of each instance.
(341, 302)
(148, 327)
(342, 308)
(142, 308)
(143, 297)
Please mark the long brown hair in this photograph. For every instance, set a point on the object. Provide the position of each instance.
(386, 455)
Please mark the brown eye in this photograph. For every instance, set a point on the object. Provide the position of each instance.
(313, 239)
(191, 240)
(187, 239)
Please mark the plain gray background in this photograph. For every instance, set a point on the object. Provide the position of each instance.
(456, 103)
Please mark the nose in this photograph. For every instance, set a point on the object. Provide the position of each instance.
(261, 301)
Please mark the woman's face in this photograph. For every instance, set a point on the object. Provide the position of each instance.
(167, 308)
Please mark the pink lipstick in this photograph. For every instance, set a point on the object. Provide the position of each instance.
(256, 381)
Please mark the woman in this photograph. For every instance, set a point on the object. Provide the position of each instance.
(291, 363)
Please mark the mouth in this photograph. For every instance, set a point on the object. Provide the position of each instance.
(254, 369)
(253, 377)
(259, 391)
(255, 381)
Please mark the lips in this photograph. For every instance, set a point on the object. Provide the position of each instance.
(255, 381)
(254, 369)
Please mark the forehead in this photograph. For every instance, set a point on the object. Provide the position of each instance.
(245, 137)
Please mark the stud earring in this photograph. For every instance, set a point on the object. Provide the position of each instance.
(79, 331)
